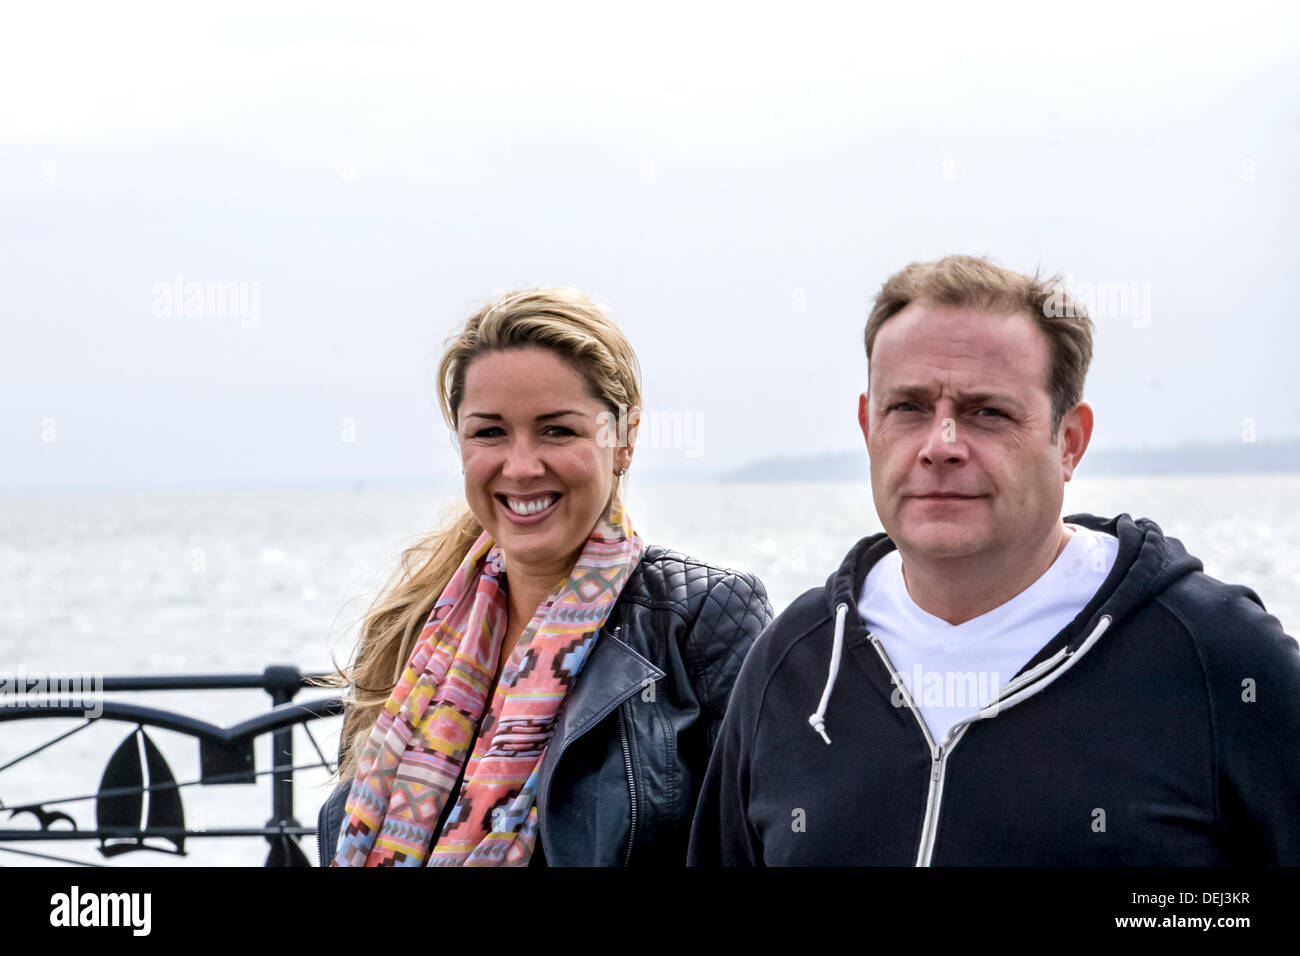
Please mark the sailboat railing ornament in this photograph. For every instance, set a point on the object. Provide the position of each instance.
(139, 802)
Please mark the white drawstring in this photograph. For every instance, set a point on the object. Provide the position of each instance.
(818, 720)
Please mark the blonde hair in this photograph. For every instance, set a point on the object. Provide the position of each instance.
(576, 329)
(973, 282)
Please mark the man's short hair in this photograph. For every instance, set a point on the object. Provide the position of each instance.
(975, 283)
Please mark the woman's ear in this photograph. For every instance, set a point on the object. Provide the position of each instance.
(633, 420)
(623, 454)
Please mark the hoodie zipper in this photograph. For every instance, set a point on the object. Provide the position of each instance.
(939, 755)
(631, 782)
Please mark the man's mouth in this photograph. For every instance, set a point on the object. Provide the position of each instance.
(527, 506)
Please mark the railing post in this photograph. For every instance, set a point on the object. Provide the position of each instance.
(282, 682)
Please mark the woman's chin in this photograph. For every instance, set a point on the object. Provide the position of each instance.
(539, 554)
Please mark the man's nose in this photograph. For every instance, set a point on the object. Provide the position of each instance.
(944, 443)
(523, 460)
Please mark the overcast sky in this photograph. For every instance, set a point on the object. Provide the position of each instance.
(734, 184)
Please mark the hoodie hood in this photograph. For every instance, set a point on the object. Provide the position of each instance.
(1146, 564)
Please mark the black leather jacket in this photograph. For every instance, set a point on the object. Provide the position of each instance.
(620, 778)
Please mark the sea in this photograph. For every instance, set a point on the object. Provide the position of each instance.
(172, 582)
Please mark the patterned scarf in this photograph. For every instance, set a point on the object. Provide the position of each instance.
(420, 741)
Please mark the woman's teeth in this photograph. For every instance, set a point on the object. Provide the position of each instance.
(530, 507)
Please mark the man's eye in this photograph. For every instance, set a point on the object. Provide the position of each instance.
(996, 412)
(903, 407)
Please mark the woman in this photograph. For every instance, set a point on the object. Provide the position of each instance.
(538, 686)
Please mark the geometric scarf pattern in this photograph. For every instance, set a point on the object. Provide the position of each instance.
(420, 741)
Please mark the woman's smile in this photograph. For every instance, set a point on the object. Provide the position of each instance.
(529, 509)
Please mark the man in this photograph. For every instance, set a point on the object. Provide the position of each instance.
(989, 683)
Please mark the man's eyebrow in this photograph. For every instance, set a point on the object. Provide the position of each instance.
(897, 392)
(986, 398)
(546, 416)
(905, 391)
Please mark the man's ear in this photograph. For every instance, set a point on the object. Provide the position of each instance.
(1076, 432)
(862, 415)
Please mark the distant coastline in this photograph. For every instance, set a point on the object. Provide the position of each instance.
(1219, 458)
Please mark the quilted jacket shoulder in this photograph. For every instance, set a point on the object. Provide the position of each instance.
(621, 787)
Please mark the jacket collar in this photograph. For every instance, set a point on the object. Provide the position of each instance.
(613, 673)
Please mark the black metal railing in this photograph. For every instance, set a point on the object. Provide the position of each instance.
(139, 801)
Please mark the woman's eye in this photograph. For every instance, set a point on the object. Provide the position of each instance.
(490, 432)
(559, 431)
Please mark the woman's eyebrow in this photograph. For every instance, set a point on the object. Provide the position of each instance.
(494, 417)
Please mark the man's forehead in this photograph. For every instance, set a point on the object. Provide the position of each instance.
(924, 324)
(962, 350)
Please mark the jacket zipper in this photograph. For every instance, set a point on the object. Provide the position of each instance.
(939, 765)
(631, 782)
(627, 763)
(939, 755)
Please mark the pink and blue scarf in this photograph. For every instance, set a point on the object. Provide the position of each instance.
(420, 742)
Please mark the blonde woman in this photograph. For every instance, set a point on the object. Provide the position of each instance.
(537, 685)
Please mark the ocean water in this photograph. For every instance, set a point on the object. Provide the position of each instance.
(229, 582)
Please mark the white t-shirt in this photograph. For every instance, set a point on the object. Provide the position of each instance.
(953, 670)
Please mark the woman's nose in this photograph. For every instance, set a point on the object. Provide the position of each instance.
(523, 460)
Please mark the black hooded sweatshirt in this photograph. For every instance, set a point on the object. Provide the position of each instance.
(1160, 727)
